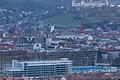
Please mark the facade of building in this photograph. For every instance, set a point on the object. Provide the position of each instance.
(87, 3)
(32, 43)
(41, 68)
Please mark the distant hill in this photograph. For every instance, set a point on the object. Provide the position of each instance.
(22, 4)
(34, 4)
(39, 4)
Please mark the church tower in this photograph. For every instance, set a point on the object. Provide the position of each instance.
(107, 2)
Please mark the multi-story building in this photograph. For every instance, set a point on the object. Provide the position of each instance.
(31, 43)
(41, 68)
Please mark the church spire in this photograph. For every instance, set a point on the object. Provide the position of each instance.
(107, 2)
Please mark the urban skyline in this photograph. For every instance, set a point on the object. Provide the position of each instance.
(59, 40)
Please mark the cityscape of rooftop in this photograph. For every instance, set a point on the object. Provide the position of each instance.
(59, 39)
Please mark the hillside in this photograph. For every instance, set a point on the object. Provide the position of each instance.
(39, 4)
(33, 4)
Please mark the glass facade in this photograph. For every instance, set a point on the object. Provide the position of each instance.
(45, 68)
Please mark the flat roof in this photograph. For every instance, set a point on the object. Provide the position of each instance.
(50, 62)
(36, 63)
(102, 64)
